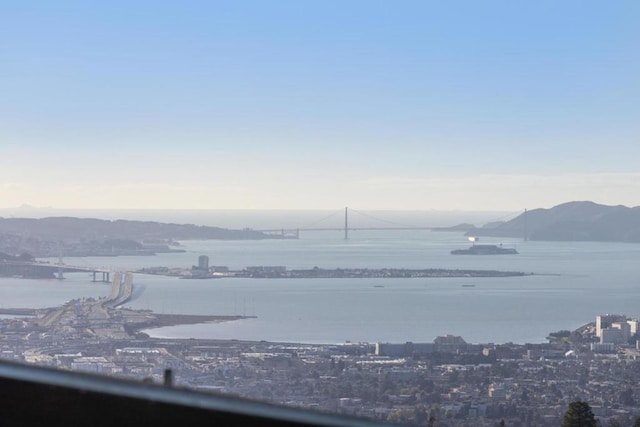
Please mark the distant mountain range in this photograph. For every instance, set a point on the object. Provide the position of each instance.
(572, 221)
(86, 228)
(96, 237)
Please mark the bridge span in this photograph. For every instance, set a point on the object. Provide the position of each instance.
(294, 233)
(121, 289)
(42, 270)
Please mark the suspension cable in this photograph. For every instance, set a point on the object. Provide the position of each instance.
(323, 219)
(503, 217)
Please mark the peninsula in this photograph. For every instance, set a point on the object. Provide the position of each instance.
(106, 317)
(67, 236)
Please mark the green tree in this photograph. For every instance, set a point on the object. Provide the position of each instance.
(637, 422)
(579, 414)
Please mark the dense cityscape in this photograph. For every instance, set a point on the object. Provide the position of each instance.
(447, 382)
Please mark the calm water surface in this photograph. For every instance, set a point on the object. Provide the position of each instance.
(573, 283)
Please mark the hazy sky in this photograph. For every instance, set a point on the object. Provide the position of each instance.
(496, 105)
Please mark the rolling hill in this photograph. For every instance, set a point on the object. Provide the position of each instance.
(572, 221)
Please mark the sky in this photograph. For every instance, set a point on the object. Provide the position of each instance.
(379, 105)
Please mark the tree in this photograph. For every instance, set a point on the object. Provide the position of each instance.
(579, 414)
(637, 422)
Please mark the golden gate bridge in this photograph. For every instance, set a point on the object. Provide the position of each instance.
(294, 233)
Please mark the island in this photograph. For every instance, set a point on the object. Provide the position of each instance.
(281, 272)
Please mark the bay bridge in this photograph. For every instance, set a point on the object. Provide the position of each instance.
(37, 269)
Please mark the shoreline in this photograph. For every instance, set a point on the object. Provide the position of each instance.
(139, 324)
(165, 320)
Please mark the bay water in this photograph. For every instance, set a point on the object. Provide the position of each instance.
(572, 283)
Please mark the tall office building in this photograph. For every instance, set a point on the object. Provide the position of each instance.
(203, 262)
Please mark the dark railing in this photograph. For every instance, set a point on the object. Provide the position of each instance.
(34, 395)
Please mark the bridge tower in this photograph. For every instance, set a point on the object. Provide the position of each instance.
(346, 223)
